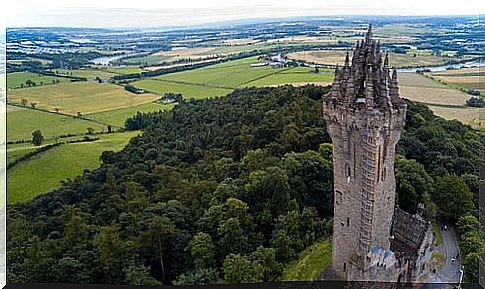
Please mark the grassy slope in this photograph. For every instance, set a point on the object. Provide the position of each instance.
(118, 117)
(85, 97)
(14, 80)
(25, 182)
(310, 263)
(21, 122)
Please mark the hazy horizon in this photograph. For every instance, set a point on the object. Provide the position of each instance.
(190, 13)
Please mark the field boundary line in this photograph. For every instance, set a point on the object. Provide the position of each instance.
(63, 114)
(266, 75)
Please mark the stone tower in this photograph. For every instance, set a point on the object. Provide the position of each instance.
(364, 116)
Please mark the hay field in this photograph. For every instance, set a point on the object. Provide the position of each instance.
(468, 78)
(84, 97)
(414, 58)
(419, 88)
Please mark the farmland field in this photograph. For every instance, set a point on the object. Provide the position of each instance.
(123, 70)
(186, 89)
(84, 97)
(119, 116)
(413, 58)
(419, 88)
(16, 79)
(21, 122)
(467, 78)
(296, 75)
(90, 74)
(195, 53)
(25, 182)
(444, 101)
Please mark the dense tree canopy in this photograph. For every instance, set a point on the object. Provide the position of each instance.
(219, 186)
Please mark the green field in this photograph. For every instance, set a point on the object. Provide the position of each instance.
(296, 75)
(310, 263)
(25, 181)
(90, 74)
(84, 97)
(21, 122)
(16, 79)
(15, 151)
(229, 74)
(123, 70)
(118, 117)
(187, 90)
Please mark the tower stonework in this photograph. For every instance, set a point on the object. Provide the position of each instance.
(364, 115)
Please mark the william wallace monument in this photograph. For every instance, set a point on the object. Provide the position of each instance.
(372, 239)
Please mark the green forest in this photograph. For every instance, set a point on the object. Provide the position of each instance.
(228, 190)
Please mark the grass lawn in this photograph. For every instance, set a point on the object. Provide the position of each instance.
(15, 80)
(90, 74)
(119, 116)
(84, 97)
(310, 263)
(44, 172)
(437, 232)
(21, 122)
(187, 90)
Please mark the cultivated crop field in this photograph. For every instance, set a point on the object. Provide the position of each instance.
(84, 97)
(17, 79)
(443, 100)
(25, 180)
(21, 122)
(468, 78)
(414, 58)
(419, 88)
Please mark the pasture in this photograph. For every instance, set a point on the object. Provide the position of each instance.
(119, 116)
(66, 161)
(188, 90)
(89, 74)
(83, 97)
(19, 80)
(21, 122)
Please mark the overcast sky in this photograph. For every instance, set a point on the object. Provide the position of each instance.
(149, 13)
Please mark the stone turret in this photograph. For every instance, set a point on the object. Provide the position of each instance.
(364, 115)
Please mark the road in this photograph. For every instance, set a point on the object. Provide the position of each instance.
(449, 272)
